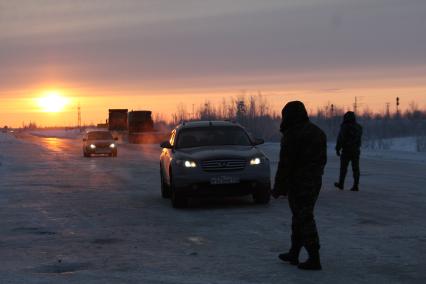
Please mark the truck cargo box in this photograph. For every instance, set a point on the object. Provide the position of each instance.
(117, 119)
(140, 121)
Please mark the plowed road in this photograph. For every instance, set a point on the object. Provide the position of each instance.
(69, 219)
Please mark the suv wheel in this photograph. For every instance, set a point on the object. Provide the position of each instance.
(165, 191)
(178, 199)
(262, 196)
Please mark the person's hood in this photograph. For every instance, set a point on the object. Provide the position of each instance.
(293, 113)
(349, 117)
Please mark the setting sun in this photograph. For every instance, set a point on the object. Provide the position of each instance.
(52, 102)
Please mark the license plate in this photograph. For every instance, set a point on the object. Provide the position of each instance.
(224, 180)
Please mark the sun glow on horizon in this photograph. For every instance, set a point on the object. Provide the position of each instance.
(52, 101)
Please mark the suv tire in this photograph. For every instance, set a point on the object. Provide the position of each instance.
(178, 199)
(263, 196)
(165, 190)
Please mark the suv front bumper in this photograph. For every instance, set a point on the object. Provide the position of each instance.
(197, 182)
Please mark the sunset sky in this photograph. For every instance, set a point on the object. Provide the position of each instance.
(155, 54)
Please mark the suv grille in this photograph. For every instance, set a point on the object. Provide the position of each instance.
(102, 145)
(223, 165)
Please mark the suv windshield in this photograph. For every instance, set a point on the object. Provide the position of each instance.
(212, 136)
(99, 135)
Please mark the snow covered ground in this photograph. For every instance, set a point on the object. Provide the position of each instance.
(402, 144)
(56, 133)
(69, 219)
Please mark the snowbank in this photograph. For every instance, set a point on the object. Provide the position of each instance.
(7, 141)
(404, 144)
(402, 150)
(8, 138)
(56, 133)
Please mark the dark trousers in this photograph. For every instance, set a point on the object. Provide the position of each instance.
(345, 159)
(304, 230)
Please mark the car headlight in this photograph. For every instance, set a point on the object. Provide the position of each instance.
(255, 161)
(186, 163)
(112, 145)
(190, 164)
(92, 146)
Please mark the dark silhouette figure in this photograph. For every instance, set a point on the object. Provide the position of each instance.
(348, 148)
(303, 157)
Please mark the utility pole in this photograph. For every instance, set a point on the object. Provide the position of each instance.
(193, 111)
(387, 109)
(355, 105)
(79, 116)
(397, 106)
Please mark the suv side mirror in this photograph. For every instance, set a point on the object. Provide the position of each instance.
(258, 141)
(166, 144)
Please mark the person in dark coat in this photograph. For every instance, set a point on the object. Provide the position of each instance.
(348, 148)
(303, 157)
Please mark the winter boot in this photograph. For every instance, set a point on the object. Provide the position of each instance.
(292, 256)
(313, 262)
(338, 185)
(356, 181)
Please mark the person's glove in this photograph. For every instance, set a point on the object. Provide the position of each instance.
(338, 153)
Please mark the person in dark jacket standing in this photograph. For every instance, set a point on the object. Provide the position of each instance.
(303, 157)
(348, 148)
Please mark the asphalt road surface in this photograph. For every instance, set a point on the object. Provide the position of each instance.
(69, 219)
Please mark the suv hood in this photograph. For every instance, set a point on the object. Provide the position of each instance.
(218, 152)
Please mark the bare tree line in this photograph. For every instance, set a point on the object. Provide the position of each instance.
(256, 114)
(379, 128)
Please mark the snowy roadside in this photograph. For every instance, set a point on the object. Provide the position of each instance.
(69, 219)
(398, 149)
(7, 141)
(6, 138)
(405, 153)
(394, 155)
(56, 133)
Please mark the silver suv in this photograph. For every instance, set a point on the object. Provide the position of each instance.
(211, 158)
(99, 142)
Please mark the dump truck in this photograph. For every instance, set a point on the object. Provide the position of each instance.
(140, 121)
(117, 119)
(141, 128)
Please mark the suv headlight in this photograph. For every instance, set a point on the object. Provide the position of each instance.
(92, 146)
(255, 161)
(112, 145)
(186, 163)
(190, 164)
